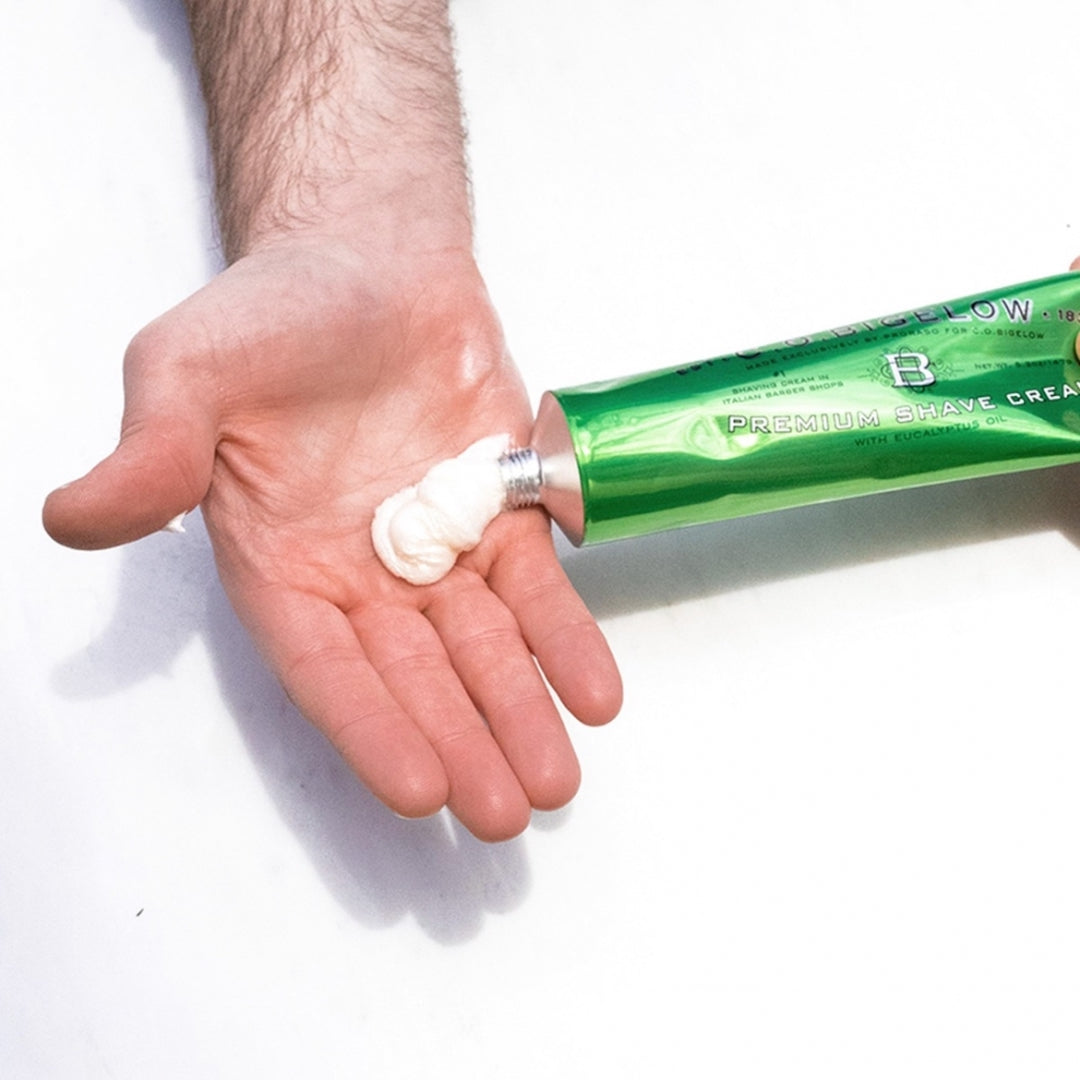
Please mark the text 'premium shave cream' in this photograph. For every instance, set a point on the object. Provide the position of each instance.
(982, 385)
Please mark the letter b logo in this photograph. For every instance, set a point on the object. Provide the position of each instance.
(910, 368)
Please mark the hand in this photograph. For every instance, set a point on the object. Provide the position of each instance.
(289, 397)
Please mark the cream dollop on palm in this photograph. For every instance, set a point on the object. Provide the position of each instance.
(420, 531)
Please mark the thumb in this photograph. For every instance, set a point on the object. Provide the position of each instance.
(160, 469)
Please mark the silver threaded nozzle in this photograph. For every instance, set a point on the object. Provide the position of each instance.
(523, 476)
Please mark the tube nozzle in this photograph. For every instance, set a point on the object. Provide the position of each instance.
(523, 477)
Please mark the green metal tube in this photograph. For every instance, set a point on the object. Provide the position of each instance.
(985, 384)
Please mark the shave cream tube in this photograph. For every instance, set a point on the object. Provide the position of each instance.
(982, 385)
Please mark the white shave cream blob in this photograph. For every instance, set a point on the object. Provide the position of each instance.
(419, 532)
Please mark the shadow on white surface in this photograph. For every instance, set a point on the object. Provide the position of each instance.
(654, 571)
(378, 867)
(166, 21)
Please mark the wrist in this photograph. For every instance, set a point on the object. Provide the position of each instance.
(384, 216)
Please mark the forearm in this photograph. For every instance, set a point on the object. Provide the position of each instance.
(333, 117)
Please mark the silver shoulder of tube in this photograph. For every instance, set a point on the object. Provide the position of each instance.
(546, 472)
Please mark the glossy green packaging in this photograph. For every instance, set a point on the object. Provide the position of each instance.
(985, 384)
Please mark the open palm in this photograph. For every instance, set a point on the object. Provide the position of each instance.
(289, 397)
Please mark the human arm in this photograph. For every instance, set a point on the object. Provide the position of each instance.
(348, 346)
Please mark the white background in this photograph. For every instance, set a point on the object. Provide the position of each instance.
(835, 829)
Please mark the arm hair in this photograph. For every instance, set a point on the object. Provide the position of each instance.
(313, 105)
